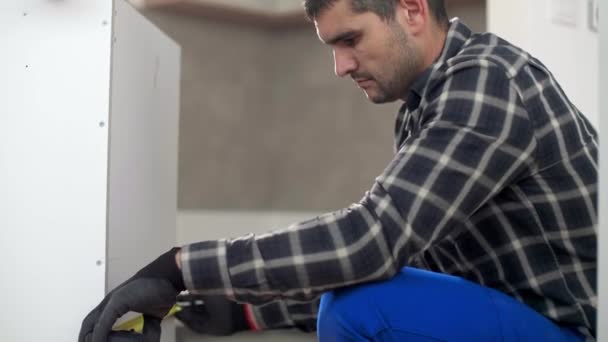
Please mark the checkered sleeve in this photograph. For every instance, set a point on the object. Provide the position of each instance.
(283, 314)
(470, 140)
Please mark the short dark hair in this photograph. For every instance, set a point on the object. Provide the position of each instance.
(385, 9)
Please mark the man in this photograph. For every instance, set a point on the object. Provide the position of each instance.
(490, 202)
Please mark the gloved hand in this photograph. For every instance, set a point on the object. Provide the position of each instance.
(152, 291)
(151, 333)
(213, 315)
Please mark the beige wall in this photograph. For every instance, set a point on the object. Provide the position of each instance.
(266, 125)
(471, 12)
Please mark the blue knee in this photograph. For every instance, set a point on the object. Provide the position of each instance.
(344, 315)
(418, 305)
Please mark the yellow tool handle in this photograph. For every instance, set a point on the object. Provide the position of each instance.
(137, 323)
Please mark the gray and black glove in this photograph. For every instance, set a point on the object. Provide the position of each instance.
(152, 291)
(151, 333)
(213, 315)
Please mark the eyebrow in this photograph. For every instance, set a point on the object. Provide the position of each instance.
(341, 36)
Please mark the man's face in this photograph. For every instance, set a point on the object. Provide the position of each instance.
(376, 53)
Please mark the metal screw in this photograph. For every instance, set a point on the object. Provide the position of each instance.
(98, 263)
(102, 124)
(24, 14)
(104, 23)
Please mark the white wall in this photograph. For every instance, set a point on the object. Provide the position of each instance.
(87, 197)
(269, 6)
(603, 225)
(142, 189)
(569, 50)
(55, 67)
(142, 205)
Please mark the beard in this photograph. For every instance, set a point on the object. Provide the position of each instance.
(400, 70)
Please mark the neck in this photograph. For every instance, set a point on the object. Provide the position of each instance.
(437, 38)
(430, 52)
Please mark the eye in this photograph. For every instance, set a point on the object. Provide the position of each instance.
(350, 41)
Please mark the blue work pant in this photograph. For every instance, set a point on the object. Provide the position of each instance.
(418, 305)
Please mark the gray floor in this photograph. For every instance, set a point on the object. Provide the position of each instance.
(185, 335)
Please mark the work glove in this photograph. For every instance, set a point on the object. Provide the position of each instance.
(152, 291)
(151, 333)
(213, 315)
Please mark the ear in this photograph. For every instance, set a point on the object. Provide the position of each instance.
(414, 14)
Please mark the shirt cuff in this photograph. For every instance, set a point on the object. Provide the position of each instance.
(204, 268)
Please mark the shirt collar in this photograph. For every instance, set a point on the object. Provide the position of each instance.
(458, 34)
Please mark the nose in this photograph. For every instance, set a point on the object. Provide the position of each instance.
(344, 62)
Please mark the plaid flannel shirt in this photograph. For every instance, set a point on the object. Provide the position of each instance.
(494, 180)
